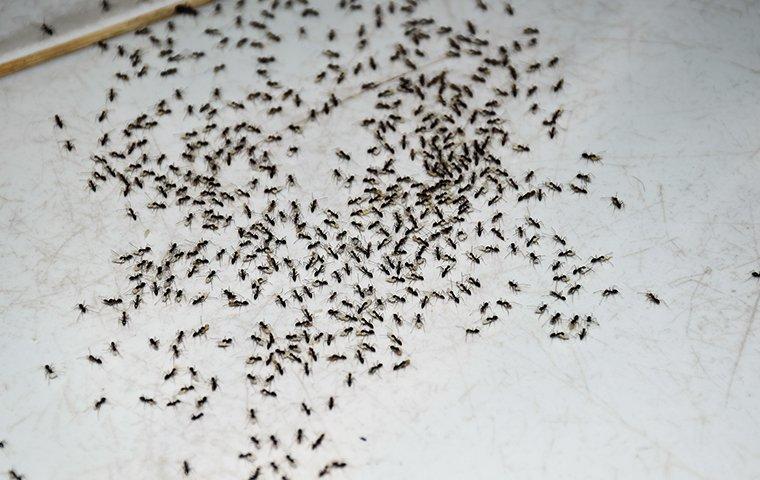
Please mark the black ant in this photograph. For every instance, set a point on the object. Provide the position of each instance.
(651, 297)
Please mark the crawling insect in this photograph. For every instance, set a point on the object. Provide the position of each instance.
(317, 442)
(652, 298)
(591, 157)
(401, 365)
(15, 475)
(608, 292)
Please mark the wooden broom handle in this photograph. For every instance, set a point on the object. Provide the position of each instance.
(134, 23)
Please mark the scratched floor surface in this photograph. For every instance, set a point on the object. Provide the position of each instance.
(668, 95)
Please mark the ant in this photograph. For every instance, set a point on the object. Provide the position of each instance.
(317, 442)
(591, 157)
(14, 475)
(610, 291)
(652, 298)
(92, 358)
(401, 365)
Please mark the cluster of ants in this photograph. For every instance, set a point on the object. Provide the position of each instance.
(425, 201)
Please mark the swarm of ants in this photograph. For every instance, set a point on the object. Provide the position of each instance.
(426, 200)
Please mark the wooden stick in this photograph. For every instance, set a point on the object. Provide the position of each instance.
(134, 23)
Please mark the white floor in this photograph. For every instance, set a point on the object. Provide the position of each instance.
(667, 92)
